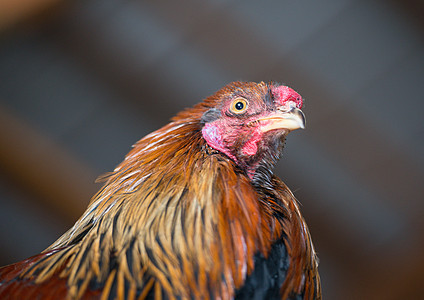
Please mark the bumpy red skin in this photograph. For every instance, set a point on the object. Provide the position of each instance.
(284, 95)
(216, 133)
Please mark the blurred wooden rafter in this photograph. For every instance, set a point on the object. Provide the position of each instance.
(43, 169)
(13, 12)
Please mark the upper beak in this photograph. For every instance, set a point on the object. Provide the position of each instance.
(290, 120)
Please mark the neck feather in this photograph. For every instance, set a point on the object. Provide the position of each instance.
(171, 214)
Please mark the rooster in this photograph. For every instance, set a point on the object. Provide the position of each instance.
(193, 212)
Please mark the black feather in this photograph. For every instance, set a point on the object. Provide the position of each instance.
(210, 115)
(268, 275)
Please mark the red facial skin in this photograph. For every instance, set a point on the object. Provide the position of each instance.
(241, 136)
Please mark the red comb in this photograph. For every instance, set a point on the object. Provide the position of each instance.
(283, 94)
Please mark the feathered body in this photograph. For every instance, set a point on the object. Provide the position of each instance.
(186, 215)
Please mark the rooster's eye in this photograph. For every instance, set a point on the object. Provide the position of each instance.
(238, 106)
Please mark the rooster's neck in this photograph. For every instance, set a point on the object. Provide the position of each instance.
(172, 214)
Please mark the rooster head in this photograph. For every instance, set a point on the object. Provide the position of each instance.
(249, 122)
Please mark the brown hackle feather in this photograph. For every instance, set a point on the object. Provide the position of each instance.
(176, 218)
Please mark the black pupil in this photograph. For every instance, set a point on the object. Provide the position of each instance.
(239, 105)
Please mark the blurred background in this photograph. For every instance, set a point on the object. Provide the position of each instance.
(81, 82)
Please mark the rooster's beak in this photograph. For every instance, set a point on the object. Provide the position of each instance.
(289, 120)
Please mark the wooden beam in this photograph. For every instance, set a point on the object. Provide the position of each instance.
(413, 10)
(41, 167)
(13, 12)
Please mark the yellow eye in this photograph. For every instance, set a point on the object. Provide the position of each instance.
(238, 106)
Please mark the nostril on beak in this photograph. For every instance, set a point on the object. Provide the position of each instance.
(287, 107)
